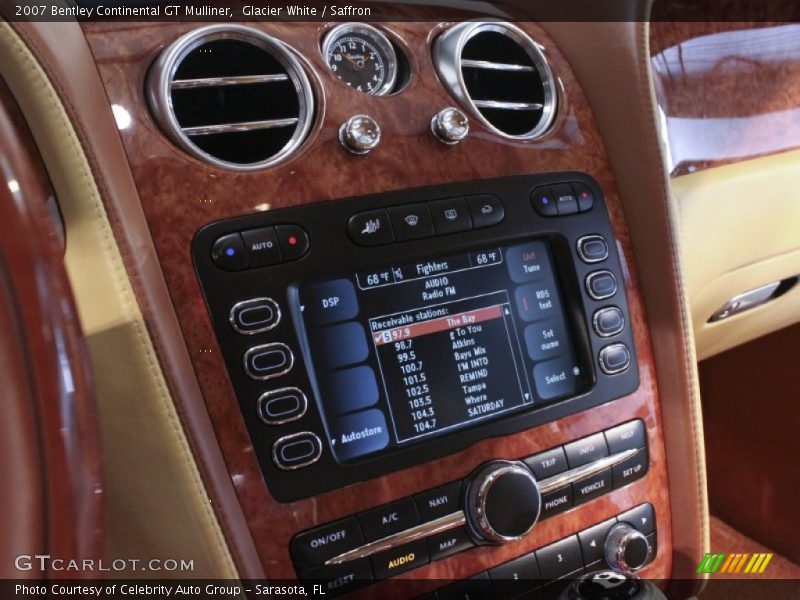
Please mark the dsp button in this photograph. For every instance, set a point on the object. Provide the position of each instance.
(296, 451)
(399, 560)
(313, 547)
(370, 228)
(293, 241)
(261, 247)
(268, 361)
(586, 450)
(486, 210)
(329, 302)
(254, 316)
(386, 520)
(282, 406)
(228, 253)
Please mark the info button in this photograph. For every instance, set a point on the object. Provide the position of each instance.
(329, 302)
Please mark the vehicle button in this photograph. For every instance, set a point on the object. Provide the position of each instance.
(293, 241)
(411, 222)
(592, 487)
(228, 253)
(593, 541)
(370, 228)
(448, 543)
(584, 194)
(556, 378)
(477, 586)
(340, 579)
(515, 577)
(528, 262)
(439, 501)
(614, 359)
(608, 321)
(560, 559)
(254, 316)
(486, 210)
(601, 285)
(349, 390)
(261, 247)
(388, 519)
(313, 547)
(586, 450)
(556, 502)
(296, 450)
(641, 517)
(592, 248)
(626, 436)
(450, 216)
(399, 560)
(282, 406)
(543, 202)
(546, 339)
(329, 302)
(268, 361)
(359, 434)
(549, 463)
(340, 345)
(565, 199)
(537, 300)
(631, 469)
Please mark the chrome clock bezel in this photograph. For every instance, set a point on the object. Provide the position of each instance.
(379, 38)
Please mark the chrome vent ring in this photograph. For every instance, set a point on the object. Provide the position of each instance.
(500, 75)
(232, 96)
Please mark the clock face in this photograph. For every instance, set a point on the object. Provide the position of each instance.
(362, 57)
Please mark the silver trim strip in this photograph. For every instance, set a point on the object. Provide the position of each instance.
(495, 66)
(579, 247)
(445, 523)
(233, 127)
(267, 396)
(276, 316)
(557, 481)
(203, 82)
(311, 461)
(287, 352)
(500, 105)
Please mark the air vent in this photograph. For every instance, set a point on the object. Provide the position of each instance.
(232, 96)
(500, 75)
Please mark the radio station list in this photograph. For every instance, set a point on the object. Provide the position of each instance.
(448, 365)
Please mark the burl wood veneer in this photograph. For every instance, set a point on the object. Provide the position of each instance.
(179, 195)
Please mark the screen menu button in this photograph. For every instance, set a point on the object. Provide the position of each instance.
(329, 302)
(358, 434)
(557, 378)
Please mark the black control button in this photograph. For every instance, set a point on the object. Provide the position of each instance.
(486, 210)
(439, 502)
(411, 222)
(608, 321)
(546, 339)
(632, 469)
(528, 262)
(626, 436)
(614, 359)
(329, 302)
(349, 390)
(371, 228)
(313, 547)
(642, 518)
(549, 463)
(557, 590)
(556, 502)
(388, 519)
(557, 378)
(592, 248)
(282, 406)
(340, 579)
(268, 361)
(399, 560)
(296, 450)
(293, 241)
(228, 253)
(261, 247)
(359, 434)
(584, 195)
(341, 345)
(447, 543)
(593, 541)
(515, 577)
(601, 285)
(477, 586)
(565, 198)
(537, 300)
(651, 539)
(586, 450)
(254, 316)
(544, 202)
(450, 216)
(592, 487)
(560, 559)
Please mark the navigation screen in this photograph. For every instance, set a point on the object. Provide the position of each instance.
(410, 351)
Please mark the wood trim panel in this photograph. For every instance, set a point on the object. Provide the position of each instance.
(180, 194)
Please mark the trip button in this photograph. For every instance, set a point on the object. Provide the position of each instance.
(388, 519)
(371, 228)
(486, 210)
(293, 241)
(313, 547)
(592, 248)
(556, 378)
(329, 302)
(399, 560)
(560, 559)
(587, 450)
(626, 436)
(268, 361)
(228, 253)
(614, 359)
(261, 247)
(438, 502)
(450, 216)
(565, 198)
(601, 285)
(631, 469)
(608, 321)
(411, 222)
(254, 316)
(282, 406)
(592, 487)
(547, 464)
(544, 202)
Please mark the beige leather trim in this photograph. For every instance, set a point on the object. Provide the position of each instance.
(156, 500)
(740, 229)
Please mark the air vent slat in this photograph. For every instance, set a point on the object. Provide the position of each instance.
(508, 105)
(232, 96)
(467, 63)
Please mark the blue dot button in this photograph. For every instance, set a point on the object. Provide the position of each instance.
(544, 201)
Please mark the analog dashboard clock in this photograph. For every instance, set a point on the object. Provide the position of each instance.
(361, 56)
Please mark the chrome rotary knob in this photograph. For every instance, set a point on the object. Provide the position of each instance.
(360, 134)
(450, 125)
(626, 549)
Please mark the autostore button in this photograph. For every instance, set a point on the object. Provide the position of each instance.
(528, 262)
(586, 450)
(438, 502)
(349, 390)
(399, 560)
(546, 339)
(537, 300)
(341, 579)
(329, 302)
(556, 378)
(556, 502)
(359, 434)
(549, 463)
(341, 345)
(388, 519)
(313, 547)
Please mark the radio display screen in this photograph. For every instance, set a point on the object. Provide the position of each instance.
(412, 351)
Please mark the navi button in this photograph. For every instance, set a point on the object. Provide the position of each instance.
(439, 502)
(371, 228)
(528, 262)
(556, 378)
(411, 222)
(329, 302)
(359, 434)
